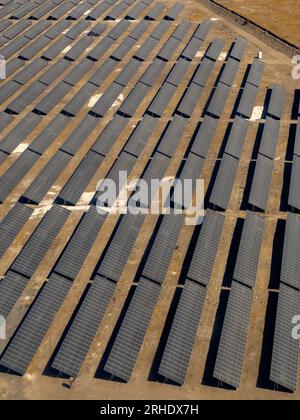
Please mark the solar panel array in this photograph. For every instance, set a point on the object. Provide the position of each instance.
(98, 87)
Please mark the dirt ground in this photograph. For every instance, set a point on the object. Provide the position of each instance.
(37, 385)
(280, 17)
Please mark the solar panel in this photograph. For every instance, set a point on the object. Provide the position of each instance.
(20, 351)
(172, 136)
(247, 101)
(161, 100)
(123, 355)
(237, 137)
(109, 135)
(284, 366)
(219, 99)
(78, 101)
(139, 30)
(260, 189)
(76, 344)
(54, 72)
(140, 136)
(117, 11)
(192, 48)
(256, 72)
(134, 99)
(160, 30)
(40, 241)
(78, 72)
(223, 185)
(294, 197)
(30, 71)
(239, 48)
(119, 29)
(57, 29)
(53, 98)
(249, 250)
(11, 225)
(138, 9)
(179, 347)
(276, 105)
(11, 288)
(97, 52)
(30, 94)
(145, 50)
(46, 178)
(36, 46)
(178, 72)
(192, 168)
(16, 173)
(9, 89)
(230, 357)
(168, 49)
(270, 138)
(206, 248)
(107, 100)
(204, 136)
(5, 120)
(120, 247)
(37, 29)
(181, 30)
(155, 11)
(128, 72)
(124, 48)
(290, 261)
(174, 11)
(162, 249)
(98, 11)
(80, 244)
(190, 100)
(153, 72)
(215, 49)
(203, 72)
(229, 72)
(83, 44)
(16, 29)
(80, 179)
(297, 139)
(55, 49)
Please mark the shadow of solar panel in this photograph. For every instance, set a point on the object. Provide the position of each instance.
(174, 11)
(179, 347)
(97, 52)
(239, 48)
(11, 288)
(178, 72)
(247, 101)
(260, 189)
(229, 72)
(123, 355)
(181, 30)
(294, 197)
(224, 182)
(203, 72)
(192, 48)
(46, 178)
(249, 250)
(219, 99)
(284, 366)
(162, 249)
(80, 179)
(77, 342)
(30, 71)
(117, 255)
(215, 49)
(78, 72)
(52, 99)
(270, 138)
(30, 94)
(190, 100)
(123, 48)
(161, 100)
(276, 105)
(256, 72)
(230, 357)
(40, 241)
(145, 50)
(107, 100)
(109, 135)
(155, 11)
(16, 172)
(134, 99)
(140, 136)
(41, 143)
(128, 72)
(153, 72)
(290, 260)
(11, 225)
(204, 136)
(237, 137)
(172, 136)
(80, 244)
(19, 133)
(19, 353)
(205, 251)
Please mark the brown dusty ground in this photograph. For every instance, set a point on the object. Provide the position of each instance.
(280, 17)
(35, 385)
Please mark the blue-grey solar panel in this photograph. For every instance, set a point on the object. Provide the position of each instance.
(219, 99)
(205, 136)
(109, 135)
(11, 288)
(294, 196)
(260, 190)
(190, 100)
(139, 138)
(247, 102)
(172, 136)
(162, 100)
(290, 268)
(224, 182)
(270, 138)
(237, 137)
(238, 49)
(277, 100)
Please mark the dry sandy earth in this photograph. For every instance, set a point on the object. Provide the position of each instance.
(35, 384)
